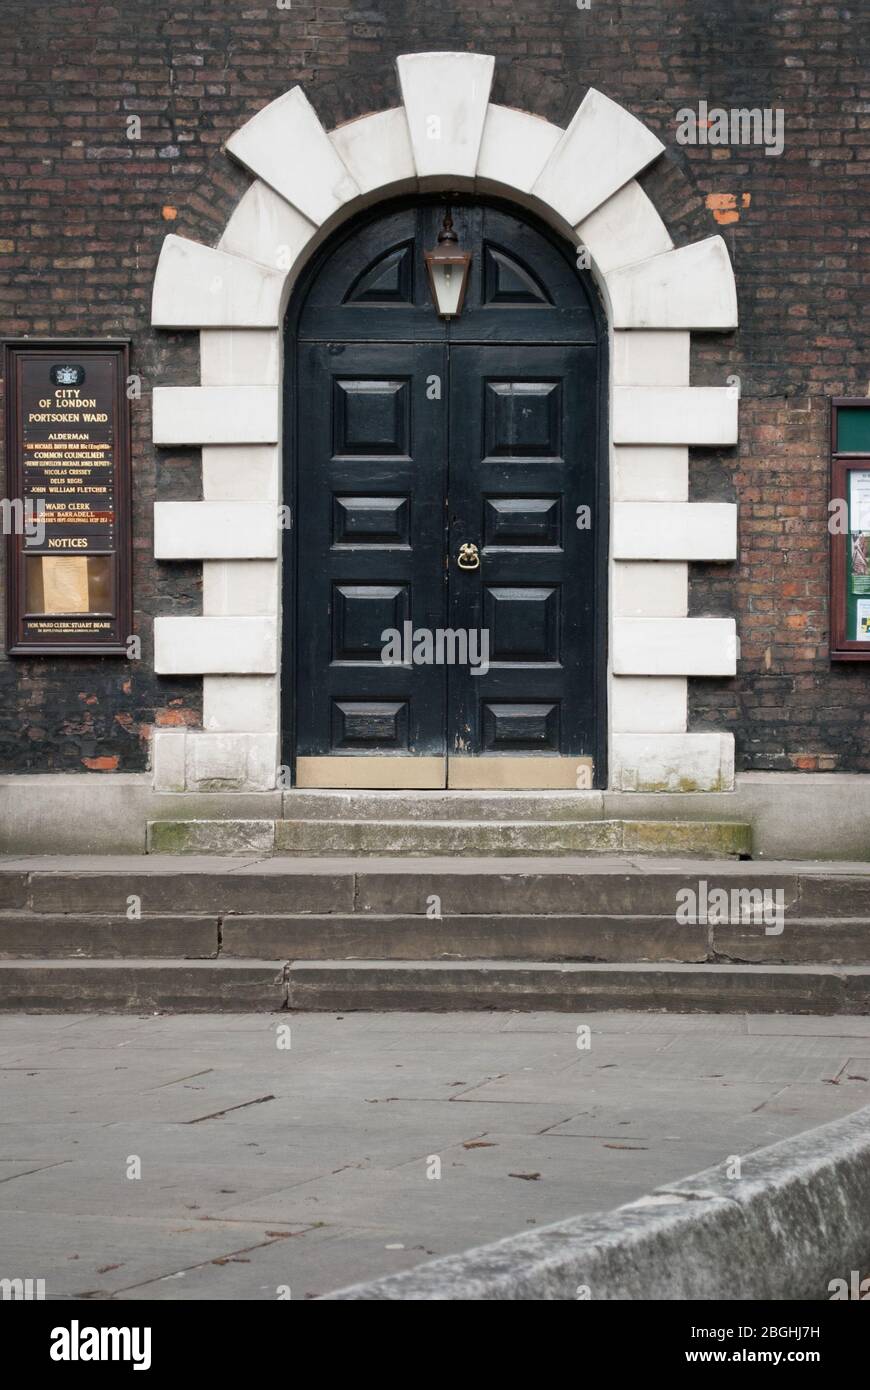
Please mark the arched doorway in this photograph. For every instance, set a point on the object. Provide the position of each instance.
(413, 444)
(582, 181)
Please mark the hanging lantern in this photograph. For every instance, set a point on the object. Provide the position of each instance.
(447, 267)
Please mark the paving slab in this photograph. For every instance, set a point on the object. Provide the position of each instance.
(332, 1181)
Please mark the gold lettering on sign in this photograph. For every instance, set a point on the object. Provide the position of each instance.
(70, 586)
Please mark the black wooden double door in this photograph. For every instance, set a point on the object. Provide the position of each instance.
(445, 583)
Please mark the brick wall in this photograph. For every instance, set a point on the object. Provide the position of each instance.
(83, 211)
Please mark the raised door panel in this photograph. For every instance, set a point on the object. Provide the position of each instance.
(370, 545)
(522, 461)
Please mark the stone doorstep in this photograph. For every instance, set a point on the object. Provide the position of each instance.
(304, 804)
(310, 836)
(581, 887)
(270, 986)
(593, 938)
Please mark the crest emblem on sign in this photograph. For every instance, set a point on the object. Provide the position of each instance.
(67, 374)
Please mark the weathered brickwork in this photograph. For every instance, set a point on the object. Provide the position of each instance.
(83, 211)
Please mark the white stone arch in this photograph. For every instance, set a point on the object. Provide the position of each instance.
(307, 181)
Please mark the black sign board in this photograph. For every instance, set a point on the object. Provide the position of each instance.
(67, 506)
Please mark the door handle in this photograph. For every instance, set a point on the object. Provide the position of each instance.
(468, 557)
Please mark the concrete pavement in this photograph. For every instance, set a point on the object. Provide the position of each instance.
(267, 1167)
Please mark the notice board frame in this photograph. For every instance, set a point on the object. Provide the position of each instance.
(115, 642)
(844, 463)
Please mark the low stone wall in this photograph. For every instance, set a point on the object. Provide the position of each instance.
(797, 1219)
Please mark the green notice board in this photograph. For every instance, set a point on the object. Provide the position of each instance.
(853, 430)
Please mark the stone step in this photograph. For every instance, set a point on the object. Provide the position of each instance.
(102, 935)
(142, 986)
(593, 888)
(139, 986)
(303, 804)
(527, 985)
(442, 805)
(469, 837)
(466, 837)
(593, 937)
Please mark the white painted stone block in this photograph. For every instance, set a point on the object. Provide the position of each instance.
(240, 704)
(240, 588)
(287, 147)
(702, 762)
(603, 147)
(266, 228)
(215, 530)
(648, 704)
(244, 473)
(674, 415)
(624, 229)
(376, 150)
(215, 414)
(515, 147)
(168, 759)
(201, 646)
(263, 762)
(674, 647)
(217, 761)
(654, 473)
(239, 357)
(650, 590)
(651, 359)
(196, 287)
(445, 97)
(675, 531)
(691, 287)
(231, 762)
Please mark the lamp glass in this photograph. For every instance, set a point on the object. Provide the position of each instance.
(448, 283)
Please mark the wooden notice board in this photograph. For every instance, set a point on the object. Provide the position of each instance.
(67, 507)
(849, 525)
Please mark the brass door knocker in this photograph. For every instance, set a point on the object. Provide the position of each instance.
(469, 557)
